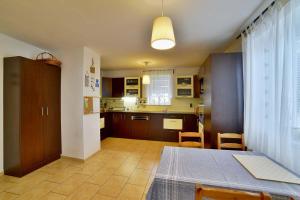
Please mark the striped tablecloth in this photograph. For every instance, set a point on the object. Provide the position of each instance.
(180, 168)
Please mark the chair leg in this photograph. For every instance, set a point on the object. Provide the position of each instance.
(219, 140)
(179, 138)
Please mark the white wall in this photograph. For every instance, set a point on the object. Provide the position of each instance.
(11, 47)
(80, 133)
(71, 102)
(91, 122)
(234, 46)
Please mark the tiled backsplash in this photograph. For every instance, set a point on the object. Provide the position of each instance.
(178, 105)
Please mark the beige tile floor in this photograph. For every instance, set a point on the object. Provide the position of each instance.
(123, 169)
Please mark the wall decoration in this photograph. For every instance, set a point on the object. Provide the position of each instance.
(92, 67)
(86, 79)
(93, 83)
(91, 105)
(90, 80)
(88, 105)
(97, 84)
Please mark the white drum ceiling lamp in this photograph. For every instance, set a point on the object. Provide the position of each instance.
(146, 78)
(162, 32)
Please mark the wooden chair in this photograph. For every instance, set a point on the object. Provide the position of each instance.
(228, 194)
(234, 136)
(200, 135)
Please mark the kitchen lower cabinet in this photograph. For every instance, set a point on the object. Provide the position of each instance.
(156, 127)
(106, 131)
(117, 124)
(149, 126)
(190, 123)
(140, 125)
(120, 125)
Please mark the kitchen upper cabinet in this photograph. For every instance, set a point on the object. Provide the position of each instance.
(32, 129)
(132, 87)
(106, 87)
(117, 87)
(188, 87)
(197, 87)
(112, 87)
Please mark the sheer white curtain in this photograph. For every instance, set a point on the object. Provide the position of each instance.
(160, 89)
(272, 84)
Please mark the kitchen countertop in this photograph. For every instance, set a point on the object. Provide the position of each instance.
(155, 112)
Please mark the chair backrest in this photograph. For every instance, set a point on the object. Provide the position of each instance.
(230, 145)
(228, 194)
(200, 128)
(191, 143)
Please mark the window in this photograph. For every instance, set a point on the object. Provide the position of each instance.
(298, 83)
(297, 61)
(159, 91)
(272, 84)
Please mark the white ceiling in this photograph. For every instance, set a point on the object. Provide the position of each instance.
(120, 30)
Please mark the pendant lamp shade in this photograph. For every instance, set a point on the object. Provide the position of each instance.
(162, 34)
(146, 79)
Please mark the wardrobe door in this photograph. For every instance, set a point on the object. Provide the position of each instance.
(52, 126)
(31, 137)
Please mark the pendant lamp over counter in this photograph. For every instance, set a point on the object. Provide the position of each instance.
(162, 32)
(146, 78)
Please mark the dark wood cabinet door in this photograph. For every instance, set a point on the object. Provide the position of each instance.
(156, 127)
(140, 126)
(126, 126)
(190, 123)
(117, 124)
(32, 143)
(170, 135)
(117, 87)
(106, 131)
(197, 87)
(51, 119)
(106, 87)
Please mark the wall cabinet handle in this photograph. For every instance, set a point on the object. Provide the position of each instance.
(42, 111)
(47, 112)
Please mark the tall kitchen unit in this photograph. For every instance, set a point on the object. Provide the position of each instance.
(222, 75)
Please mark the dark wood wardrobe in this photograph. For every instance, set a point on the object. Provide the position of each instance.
(32, 123)
(223, 95)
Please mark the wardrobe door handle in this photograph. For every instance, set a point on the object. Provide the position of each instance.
(42, 111)
(47, 111)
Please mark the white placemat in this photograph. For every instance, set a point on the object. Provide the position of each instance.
(262, 167)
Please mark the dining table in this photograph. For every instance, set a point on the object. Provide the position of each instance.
(180, 169)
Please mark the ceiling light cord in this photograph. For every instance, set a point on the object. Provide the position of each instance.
(162, 7)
